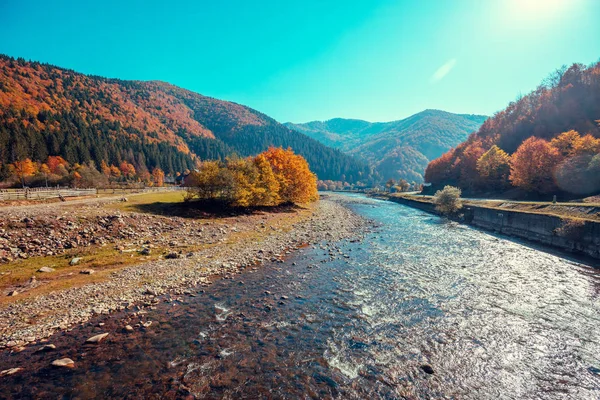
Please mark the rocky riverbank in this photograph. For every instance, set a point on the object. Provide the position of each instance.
(222, 249)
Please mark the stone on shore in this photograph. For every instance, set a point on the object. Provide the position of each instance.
(64, 363)
(46, 269)
(97, 338)
(75, 261)
(46, 347)
(128, 328)
(10, 371)
(87, 271)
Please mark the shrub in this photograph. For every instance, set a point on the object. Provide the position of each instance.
(271, 178)
(447, 201)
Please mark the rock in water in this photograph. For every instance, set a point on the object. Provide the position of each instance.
(75, 261)
(97, 338)
(10, 371)
(46, 269)
(64, 362)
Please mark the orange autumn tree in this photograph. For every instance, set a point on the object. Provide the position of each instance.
(587, 145)
(494, 167)
(244, 179)
(105, 169)
(24, 169)
(57, 165)
(115, 172)
(158, 177)
(566, 143)
(267, 186)
(297, 183)
(532, 166)
(469, 177)
(269, 179)
(127, 169)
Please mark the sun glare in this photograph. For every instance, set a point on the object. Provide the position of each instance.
(538, 8)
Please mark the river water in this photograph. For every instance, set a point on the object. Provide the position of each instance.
(419, 308)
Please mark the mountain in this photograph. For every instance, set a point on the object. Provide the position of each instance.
(397, 149)
(47, 110)
(569, 99)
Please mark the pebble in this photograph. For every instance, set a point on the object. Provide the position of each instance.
(97, 338)
(75, 261)
(46, 269)
(46, 347)
(87, 271)
(64, 363)
(10, 371)
(128, 328)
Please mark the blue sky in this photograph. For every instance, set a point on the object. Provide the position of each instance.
(316, 59)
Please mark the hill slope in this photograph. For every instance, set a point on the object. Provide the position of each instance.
(46, 110)
(397, 149)
(568, 100)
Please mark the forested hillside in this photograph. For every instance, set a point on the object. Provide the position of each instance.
(542, 143)
(397, 149)
(49, 111)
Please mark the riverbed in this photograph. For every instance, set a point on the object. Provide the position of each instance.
(418, 307)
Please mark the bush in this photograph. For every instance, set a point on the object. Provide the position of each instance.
(447, 201)
(271, 178)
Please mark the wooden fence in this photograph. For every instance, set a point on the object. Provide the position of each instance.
(150, 189)
(52, 193)
(43, 193)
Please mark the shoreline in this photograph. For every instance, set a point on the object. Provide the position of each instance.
(244, 245)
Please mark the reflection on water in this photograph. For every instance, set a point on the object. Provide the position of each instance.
(490, 317)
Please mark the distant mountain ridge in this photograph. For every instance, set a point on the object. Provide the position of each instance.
(397, 149)
(47, 110)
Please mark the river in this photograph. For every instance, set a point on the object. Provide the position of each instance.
(418, 308)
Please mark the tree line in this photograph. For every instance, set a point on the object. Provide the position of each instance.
(46, 110)
(58, 171)
(544, 142)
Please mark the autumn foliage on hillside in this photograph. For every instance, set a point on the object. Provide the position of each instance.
(47, 110)
(273, 177)
(57, 171)
(544, 142)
